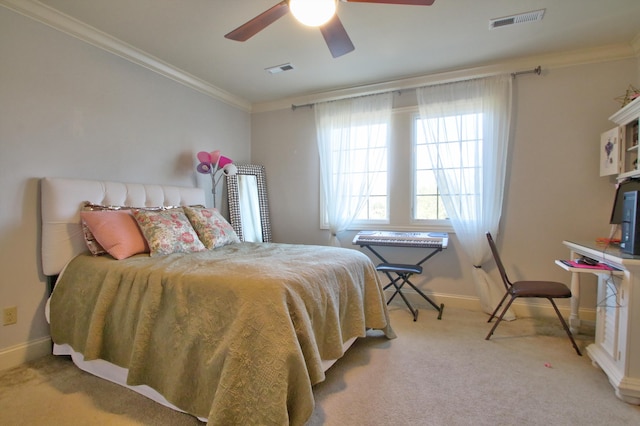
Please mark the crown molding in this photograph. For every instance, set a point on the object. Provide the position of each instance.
(39, 12)
(549, 61)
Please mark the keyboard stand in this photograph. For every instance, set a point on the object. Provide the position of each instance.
(403, 272)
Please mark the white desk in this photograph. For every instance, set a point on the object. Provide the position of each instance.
(616, 347)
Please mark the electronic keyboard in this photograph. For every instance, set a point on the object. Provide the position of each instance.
(438, 240)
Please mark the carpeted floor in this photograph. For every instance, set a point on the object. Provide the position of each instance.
(434, 373)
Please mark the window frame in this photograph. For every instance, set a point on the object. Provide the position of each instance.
(364, 223)
(438, 224)
(400, 147)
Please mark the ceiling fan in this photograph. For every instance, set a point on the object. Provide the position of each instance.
(327, 20)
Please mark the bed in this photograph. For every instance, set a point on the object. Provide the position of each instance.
(238, 334)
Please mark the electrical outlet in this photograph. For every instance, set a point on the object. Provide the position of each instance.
(10, 315)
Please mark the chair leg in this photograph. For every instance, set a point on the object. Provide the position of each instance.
(398, 290)
(495, 311)
(440, 308)
(566, 328)
(393, 282)
(504, 311)
(414, 311)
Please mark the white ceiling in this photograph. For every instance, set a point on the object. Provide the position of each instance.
(391, 42)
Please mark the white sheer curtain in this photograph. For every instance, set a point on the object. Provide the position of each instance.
(345, 130)
(470, 176)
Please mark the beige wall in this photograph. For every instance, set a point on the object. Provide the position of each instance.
(69, 109)
(553, 190)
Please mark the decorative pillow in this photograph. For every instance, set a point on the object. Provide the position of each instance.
(168, 231)
(92, 244)
(212, 228)
(116, 231)
(94, 247)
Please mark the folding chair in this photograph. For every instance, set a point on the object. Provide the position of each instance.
(543, 289)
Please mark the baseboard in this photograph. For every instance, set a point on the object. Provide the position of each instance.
(521, 308)
(19, 354)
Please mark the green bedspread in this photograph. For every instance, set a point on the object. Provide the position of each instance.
(235, 334)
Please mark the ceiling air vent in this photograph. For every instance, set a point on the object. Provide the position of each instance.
(521, 18)
(279, 68)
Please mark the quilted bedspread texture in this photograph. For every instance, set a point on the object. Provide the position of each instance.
(235, 335)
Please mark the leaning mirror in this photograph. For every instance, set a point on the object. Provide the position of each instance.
(248, 204)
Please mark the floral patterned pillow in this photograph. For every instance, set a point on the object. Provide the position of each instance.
(168, 231)
(212, 228)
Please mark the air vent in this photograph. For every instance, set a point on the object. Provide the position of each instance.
(279, 68)
(521, 18)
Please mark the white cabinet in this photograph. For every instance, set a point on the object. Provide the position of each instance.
(627, 120)
(616, 347)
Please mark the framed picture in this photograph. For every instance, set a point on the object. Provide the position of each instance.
(609, 152)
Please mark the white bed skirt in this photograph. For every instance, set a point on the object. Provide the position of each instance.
(113, 373)
(118, 375)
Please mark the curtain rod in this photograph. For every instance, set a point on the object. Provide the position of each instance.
(537, 70)
(295, 107)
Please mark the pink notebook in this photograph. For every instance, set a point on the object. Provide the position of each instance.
(601, 266)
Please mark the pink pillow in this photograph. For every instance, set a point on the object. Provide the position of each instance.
(116, 231)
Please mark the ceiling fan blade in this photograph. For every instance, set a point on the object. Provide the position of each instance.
(247, 30)
(336, 37)
(408, 2)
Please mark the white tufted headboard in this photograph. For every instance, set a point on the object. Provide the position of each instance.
(62, 237)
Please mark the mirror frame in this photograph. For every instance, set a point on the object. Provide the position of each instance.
(234, 201)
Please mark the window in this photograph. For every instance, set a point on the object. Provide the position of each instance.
(402, 161)
(370, 161)
(352, 144)
(458, 140)
(444, 159)
(365, 155)
(369, 152)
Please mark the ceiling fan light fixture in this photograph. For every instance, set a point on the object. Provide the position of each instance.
(313, 13)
